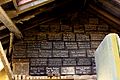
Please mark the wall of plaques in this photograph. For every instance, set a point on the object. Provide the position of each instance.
(56, 48)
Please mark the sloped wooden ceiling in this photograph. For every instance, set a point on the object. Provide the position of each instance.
(26, 20)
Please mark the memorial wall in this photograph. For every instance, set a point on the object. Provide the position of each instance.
(64, 46)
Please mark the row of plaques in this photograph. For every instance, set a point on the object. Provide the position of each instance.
(56, 71)
(34, 53)
(60, 62)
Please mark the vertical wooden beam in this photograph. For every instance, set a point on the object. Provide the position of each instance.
(11, 42)
(5, 63)
(9, 24)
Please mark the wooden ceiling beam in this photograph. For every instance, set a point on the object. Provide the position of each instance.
(9, 24)
(105, 14)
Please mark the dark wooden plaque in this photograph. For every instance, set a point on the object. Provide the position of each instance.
(32, 53)
(84, 61)
(66, 28)
(55, 36)
(82, 37)
(45, 53)
(54, 62)
(46, 45)
(90, 27)
(19, 54)
(37, 71)
(69, 62)
(69, 36)
(54, 28)
(71, 45)
(83, 69)
(97, 36)
(83, 45)
(58, 45)
(60, 53)
(78, 29)
(38, 62)
(53, 71)
(67, 70)
(77, 53)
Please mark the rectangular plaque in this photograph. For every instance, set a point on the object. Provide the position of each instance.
(54, 62)
(67, 70)
(37, 71)
(83, 69)
(44, 28)
(97, 36)
(90, 27)
(78, 53)
(37, 44)
(32, 52)
(78, 29)
(38, 62)
(53, 71)
(82, 37)
(60, 53)
(66, 28)
(69, 36)
(55, 36)
(58, 45)
(45, 53)
(95, 44)
(46, 45)
(19, 54)
(69, 61)
(54, 28)
(20, 45)
(103, 27)
(91, 52)
(30, 37)
(71, 45)
(93, 20)
(83, 45)
(33, 44)
(41, 36)
(84, 61)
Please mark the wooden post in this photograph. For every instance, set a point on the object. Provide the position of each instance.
(5, 63)
(11, 43)
(9, 24)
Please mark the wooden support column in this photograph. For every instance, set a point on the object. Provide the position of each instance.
(5, 63)
(11, 43)
(9, 24)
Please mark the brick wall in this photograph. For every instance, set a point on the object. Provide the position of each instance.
(61, 47)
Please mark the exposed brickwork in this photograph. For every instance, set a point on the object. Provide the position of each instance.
(61, 49)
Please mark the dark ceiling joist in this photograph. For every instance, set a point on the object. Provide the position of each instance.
(9, 24)
(105, 14)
